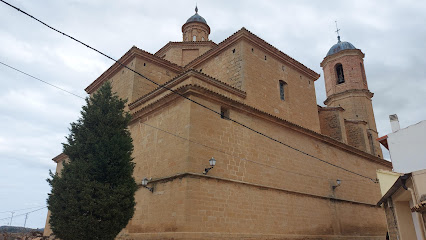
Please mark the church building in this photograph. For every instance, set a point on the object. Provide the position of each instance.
(239, 149)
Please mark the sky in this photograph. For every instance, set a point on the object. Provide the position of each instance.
(35, 117)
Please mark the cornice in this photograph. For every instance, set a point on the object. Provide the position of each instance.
(347, 52)
(192, 89)
(182, 77)
(125, 59)
(60, 158)
(195, 24)
(169, 45)
(257, 41)
(330, 109)
(336, 95)
(355, 121)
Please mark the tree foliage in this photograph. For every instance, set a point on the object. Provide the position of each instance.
(93, 196)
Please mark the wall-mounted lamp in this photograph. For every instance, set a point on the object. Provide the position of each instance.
(338, 182)
(212, 162)
(145, 183)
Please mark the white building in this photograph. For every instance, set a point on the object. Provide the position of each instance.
(404, 189)
(407, 146)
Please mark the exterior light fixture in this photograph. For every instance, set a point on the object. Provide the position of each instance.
(338, 182)
(212, 163)
(145, 182)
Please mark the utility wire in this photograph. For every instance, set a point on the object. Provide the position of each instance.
(187, 98)
(41, 80)
(17, 210)
(24, 213)
(175, 135)
(244, 159)
(192, 141)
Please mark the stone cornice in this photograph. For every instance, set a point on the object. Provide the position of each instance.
(61, 157)
(355, 121)
(182, 77)
(342, 53)
(202, 92)
(330, 109)
(169, 45)
(336, 95)
(201, 24)
(125, 59)
(257, 41)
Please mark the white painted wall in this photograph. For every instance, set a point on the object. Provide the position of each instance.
(407, 148)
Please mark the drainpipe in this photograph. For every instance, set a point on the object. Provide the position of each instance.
(419, 217)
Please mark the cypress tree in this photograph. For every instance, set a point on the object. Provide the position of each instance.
(93, 196)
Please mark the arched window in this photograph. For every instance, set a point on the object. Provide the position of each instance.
(202, 39)
(194, 38)
(282, 89)
(339, 73)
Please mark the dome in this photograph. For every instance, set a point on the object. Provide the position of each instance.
(340, 46)
(196, 18)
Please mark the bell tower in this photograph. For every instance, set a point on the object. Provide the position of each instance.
(346, 87)
(195, 28)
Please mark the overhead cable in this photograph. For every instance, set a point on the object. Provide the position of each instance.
(40, 80)
(187, 98)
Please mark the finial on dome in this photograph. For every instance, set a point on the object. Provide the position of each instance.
(196, 8)
(337, 31)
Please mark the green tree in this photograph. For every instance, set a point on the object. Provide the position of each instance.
(93, 197)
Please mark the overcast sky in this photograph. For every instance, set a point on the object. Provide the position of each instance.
(35, 117)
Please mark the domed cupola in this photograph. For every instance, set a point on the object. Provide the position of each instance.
(196, 17)
(195, 28)
(340, 46)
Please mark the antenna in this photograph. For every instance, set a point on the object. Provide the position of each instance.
(337, 31)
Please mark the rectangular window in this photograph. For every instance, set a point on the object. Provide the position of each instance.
(282, 90)
(224, 113)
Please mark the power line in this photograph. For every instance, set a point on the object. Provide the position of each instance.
(215, 149)
(23, 213)
(187, 98)
(41, 80)
(244, 159)
(17, 210)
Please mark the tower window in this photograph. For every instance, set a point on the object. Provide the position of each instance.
(224, 113)
(282, 89)
(363, 74)
(339, 74)
(194, 38)
(202, 39)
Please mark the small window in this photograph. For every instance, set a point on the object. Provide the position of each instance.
(282, 90)
(194, 38)
(224, 113)
(339, 74)
(233, 50)
(202, 39)
(364, 80)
